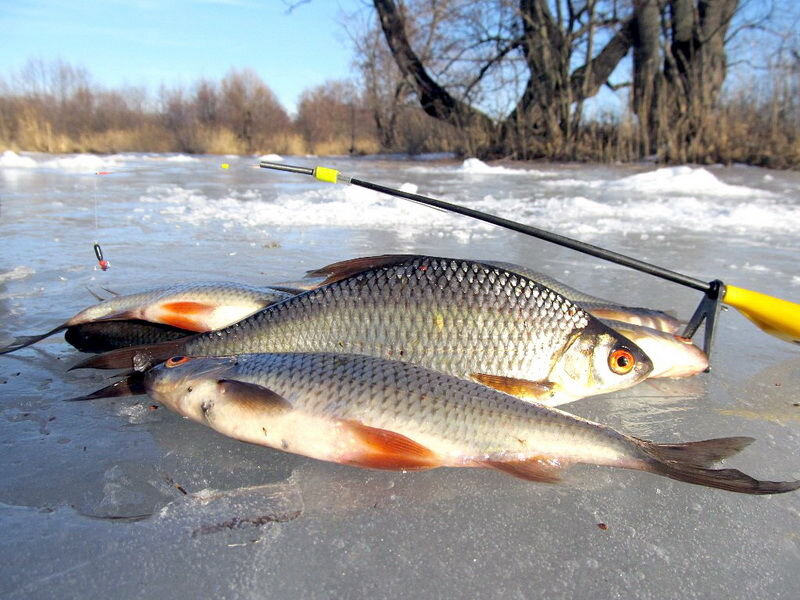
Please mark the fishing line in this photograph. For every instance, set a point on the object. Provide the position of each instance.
(98, 251)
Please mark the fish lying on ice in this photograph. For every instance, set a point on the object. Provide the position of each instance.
(202, 306)
(384, 414)
(460, 317)
(103, 336)
(598, 307)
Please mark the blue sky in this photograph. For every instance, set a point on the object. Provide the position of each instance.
(149, 42)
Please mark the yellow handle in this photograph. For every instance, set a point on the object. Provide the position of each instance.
(777, 317)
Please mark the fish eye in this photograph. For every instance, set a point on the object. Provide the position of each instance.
(175, 361)
(621, 361)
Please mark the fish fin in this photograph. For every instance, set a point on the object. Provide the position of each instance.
(664, 461)
(701, 454)
(185, 315)
(252, 394)
(96, 296)
(294, 287)
(132, 385)
(347, 268)
(139, 357)
(539, 468)
(384, 449)
(26, 340)
(521, 388)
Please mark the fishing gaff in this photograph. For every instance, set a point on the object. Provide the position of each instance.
(775, 316)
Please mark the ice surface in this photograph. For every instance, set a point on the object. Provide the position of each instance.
(271, 157)
(120, 498)
(18, 272)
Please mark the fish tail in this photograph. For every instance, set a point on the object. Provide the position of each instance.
(132, 385)
(137, 357)
(689, 462)
(27, 340)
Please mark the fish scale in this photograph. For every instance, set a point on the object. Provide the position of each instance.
(356, 316)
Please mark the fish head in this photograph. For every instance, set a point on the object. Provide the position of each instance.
(599, 360)
(185, 384)
(672, 355)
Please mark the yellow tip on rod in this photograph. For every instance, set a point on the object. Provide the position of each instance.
(325, 174)
(777, 317)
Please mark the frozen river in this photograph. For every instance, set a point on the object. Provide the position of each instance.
(119, 498)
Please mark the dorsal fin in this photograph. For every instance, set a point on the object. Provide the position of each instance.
(347, 268)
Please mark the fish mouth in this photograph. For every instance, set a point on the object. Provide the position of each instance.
(179, 371)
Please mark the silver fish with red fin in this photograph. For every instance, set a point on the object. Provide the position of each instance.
(376, 413)
(202, 306)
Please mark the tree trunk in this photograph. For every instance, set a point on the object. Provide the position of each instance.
(646, 67)
(676, 109)
(434, 99)
(540, 124)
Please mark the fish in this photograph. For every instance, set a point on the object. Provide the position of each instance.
(202, 306)
(460, 317)
(102, 336)
(384, 414)
(672, 355)
(599, 307)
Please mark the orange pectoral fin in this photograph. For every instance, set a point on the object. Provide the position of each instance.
(538, 468)
(186, 315)
(521, 388)
(383, 449)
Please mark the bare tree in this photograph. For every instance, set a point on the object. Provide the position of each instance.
(680, 65)
(481, 50)
(251, 110)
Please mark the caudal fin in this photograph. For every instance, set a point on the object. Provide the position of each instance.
(26, 340)
(136, 357)
(689, 462)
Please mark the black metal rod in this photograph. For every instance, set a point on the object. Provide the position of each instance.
(561, 240)
(265, 164)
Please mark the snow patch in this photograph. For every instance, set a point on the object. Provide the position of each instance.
(346, 206)
(82, 163)
(681, 180)
(182, 158)
(12, 160)
(474, 166)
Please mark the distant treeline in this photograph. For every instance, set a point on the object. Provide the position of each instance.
(55, 107)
